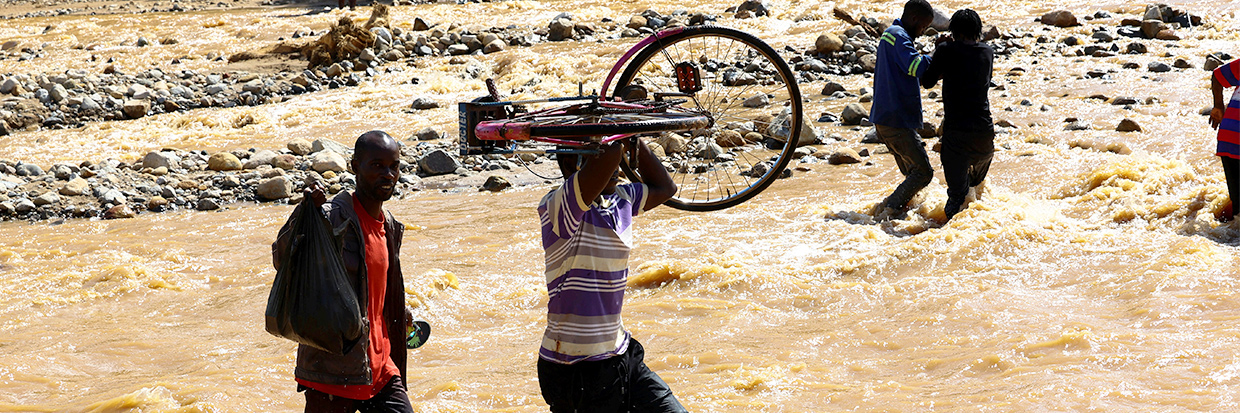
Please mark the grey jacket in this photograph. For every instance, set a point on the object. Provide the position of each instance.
(354, 368)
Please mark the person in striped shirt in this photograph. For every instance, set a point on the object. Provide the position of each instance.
(588, 362)
(1227, 120)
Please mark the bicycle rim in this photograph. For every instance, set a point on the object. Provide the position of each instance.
(735, 67)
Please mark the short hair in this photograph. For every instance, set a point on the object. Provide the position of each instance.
(966, 24)
(917, 8)
(375, 141)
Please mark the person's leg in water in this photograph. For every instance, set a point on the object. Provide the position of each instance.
(647, 392)
(913, 162)
(1231, 170)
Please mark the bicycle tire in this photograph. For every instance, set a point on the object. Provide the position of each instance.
(562, 125)
(786, 76)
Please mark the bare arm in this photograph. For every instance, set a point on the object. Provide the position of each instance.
(596, 173)
(654, 175)
(1216, 114)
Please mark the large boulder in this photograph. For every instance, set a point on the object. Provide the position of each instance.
(672, 143)
(560, 29)
(853, 114)
(1060, 18)
(161, 159)
(320, 145)
(75, 187)
(300, 147)
(828, 43)
(136, 108)
(224, 161)
(843, 156)
(324, 161)
(274, 188)
(438, 162)
(260, 158)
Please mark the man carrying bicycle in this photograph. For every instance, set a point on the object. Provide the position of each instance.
(588, 361)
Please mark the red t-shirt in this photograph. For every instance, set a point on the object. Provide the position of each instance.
(380, 351)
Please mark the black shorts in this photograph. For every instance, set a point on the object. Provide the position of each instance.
(619, 384)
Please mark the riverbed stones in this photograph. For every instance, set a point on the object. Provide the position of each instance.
(1150, 28)
(75, 187)
(324, 161)
(27, 169)
(284, 162)
(299, 147)
(853, 114)
(495, 183)
(437, 162)
(729, 139)
(828, 43)
(831, 87)
(672, 143)
(1212, 63)
(496, 45)
(136, 108)
(424, 103)
(844, 156)
(560, 29)
(224, 161)
(1060, 18)
(167, 160)
(1158, 67)
(259, 158)
(427, 134)
(1182, 63)
(207, 204)
(1128, 125)
(320, 145)
(271, 189)
(757, 101)
(47, 198)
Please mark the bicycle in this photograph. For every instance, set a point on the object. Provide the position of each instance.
(714, 83)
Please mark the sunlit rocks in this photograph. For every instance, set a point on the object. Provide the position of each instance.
(299, 147)
(1060, 18)
(495, 183)
(853, 114)
(136, 108)
(75, 187)
(844, 156)
(119, 212)
(1128, 125)
(438, 162)
(278, 187)
(224, 161)
(324, 161)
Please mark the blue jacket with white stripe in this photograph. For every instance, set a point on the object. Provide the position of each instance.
(897, 92)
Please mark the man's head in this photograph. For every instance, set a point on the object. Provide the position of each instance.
(376, 161)
(917, 17)
(966, 25)
(571, 163)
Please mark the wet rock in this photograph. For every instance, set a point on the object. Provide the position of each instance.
(495, 184)
(26, 169)
(420, 25)
(672, 143)
(828, 43)
(757, 101)
(734, 77)
(729, 139)
(167, 160)
(284, 161)
(224, 161)
(1077, 125)
(427, 134)
(752, 8)
(1167, 34)
(496, 45)
(928, 130)
(424, 103)
(1102, 37)
(207, 204)
(157, 204)
(274, 188)
(831, 87)
(711, 151)
(853, 114)
(843, 156)
(135, 109)
(1182, 63)
(119, 212)
(324, 161)
(1124, 100)
(259, 158)
(1150, 28)
(1060, 18)
(47, 198)
(1158, 67)
(1071, 41)
(75, 187)
(320, 145)
(438, 162)
(1128, 125)
(1136, 48)
(1212, 63)
(560, 29)
(299, 147)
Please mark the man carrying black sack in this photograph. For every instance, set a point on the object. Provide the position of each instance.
(369, 378)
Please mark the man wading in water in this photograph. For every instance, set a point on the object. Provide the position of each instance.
(968, 132)
(588, 362)
(370, 377)
(896, 112)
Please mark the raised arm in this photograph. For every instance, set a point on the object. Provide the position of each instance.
(593, 177)
(1216, 114)
(654, 175)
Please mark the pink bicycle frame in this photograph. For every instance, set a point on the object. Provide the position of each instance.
(602, 95)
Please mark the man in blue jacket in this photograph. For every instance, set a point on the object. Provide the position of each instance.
(896, 112)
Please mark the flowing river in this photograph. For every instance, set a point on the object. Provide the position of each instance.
(1093, 275)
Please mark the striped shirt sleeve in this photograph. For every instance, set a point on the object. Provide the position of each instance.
(1229, 74)
(636, 194)
(562, 210)
(908, 60)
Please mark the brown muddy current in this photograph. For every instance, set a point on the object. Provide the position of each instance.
(1083, 280)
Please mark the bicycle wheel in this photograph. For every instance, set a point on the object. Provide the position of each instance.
(569, 123)
(746, 88)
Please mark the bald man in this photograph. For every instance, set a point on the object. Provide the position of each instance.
(370, 378)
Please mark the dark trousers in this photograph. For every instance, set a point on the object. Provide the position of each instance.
(619, 384)
(391, 399)
(966, 160)
(1231, 170)
(905, 145)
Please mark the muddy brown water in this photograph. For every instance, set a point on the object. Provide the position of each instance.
(1083, 280)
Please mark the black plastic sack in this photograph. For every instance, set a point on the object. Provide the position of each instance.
(311, 300)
